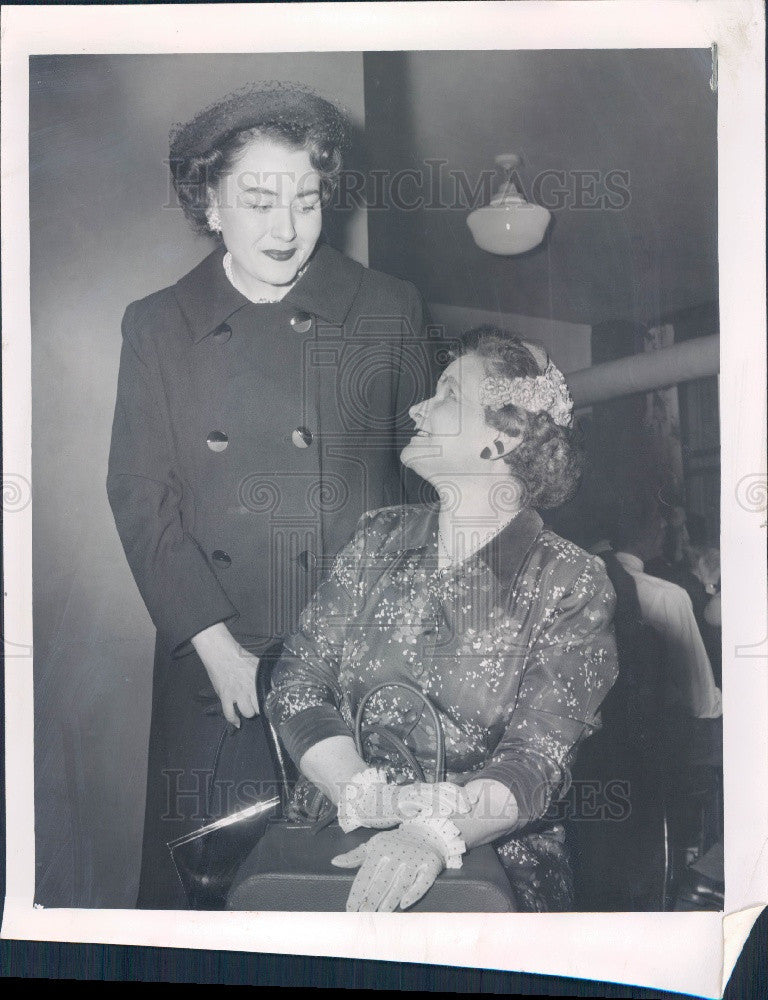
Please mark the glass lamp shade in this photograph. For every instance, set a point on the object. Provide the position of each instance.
(508, 225)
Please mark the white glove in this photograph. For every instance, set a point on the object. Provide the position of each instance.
(369, 800)
(399, 866)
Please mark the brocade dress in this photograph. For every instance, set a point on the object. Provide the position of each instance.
(514, 647)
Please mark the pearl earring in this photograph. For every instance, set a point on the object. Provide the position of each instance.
(214, 219)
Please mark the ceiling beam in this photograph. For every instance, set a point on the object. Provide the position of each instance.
(691, 359)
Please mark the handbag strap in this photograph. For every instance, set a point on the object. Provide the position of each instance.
(385, 736)
(209, 786)
(285, 768)
(439, 774)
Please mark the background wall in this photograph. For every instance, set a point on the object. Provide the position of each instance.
(568, 344)
(104, 232)
(576, 117)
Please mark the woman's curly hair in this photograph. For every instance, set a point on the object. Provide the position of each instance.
(547, 461)
(207, 148)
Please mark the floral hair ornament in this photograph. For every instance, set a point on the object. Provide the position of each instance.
(548, 392)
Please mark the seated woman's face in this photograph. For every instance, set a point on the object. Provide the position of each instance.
(451, 430)
(270, 211)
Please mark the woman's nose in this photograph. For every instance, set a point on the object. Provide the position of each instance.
(417, 410)
(282, 225)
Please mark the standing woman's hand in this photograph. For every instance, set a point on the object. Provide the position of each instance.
(232, 670)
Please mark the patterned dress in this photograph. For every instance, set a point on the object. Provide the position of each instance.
(514, 647)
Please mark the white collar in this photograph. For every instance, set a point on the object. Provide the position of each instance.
(630, 562)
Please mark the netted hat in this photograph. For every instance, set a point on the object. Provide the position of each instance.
(293, 108)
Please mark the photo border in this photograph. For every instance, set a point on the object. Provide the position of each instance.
(690, 952)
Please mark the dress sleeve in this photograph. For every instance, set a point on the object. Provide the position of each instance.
(570, 667)
(305, 699)
(176, 582)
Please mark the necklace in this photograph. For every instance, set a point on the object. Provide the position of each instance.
(483, 541)
(227, 265)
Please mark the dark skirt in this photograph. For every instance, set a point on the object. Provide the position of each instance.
(200, 768)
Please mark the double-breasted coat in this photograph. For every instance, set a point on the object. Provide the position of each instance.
(247, 441)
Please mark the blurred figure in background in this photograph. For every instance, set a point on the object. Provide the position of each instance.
(662, 735)
(688, 561)
(667, 608)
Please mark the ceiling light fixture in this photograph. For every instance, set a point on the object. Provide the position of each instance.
(509, 224)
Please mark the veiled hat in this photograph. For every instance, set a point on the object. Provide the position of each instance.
(291, 107)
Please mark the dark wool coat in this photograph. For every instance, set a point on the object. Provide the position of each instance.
(247, 441)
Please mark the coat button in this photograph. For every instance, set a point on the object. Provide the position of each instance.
(307, 560)
(222, 333)
(221, 558)
(217, 440)
(301, 322)
(301, 437)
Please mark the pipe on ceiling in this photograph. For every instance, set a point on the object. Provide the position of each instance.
(691, 359)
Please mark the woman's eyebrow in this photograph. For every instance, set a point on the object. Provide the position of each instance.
(256, 189)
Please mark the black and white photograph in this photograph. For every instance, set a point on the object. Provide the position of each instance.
(377, 478)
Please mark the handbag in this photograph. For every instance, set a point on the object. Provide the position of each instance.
(207, 859)
(290, 868)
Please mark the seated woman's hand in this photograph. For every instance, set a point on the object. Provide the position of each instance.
(397, 867)
(369, 800)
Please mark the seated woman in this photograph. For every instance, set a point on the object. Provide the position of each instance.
(504, 625)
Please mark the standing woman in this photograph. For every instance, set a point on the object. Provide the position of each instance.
(257, 411)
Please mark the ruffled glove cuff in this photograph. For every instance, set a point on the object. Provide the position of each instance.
(353, 793)
(443, 834)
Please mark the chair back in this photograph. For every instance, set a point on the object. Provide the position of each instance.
(287, 772)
